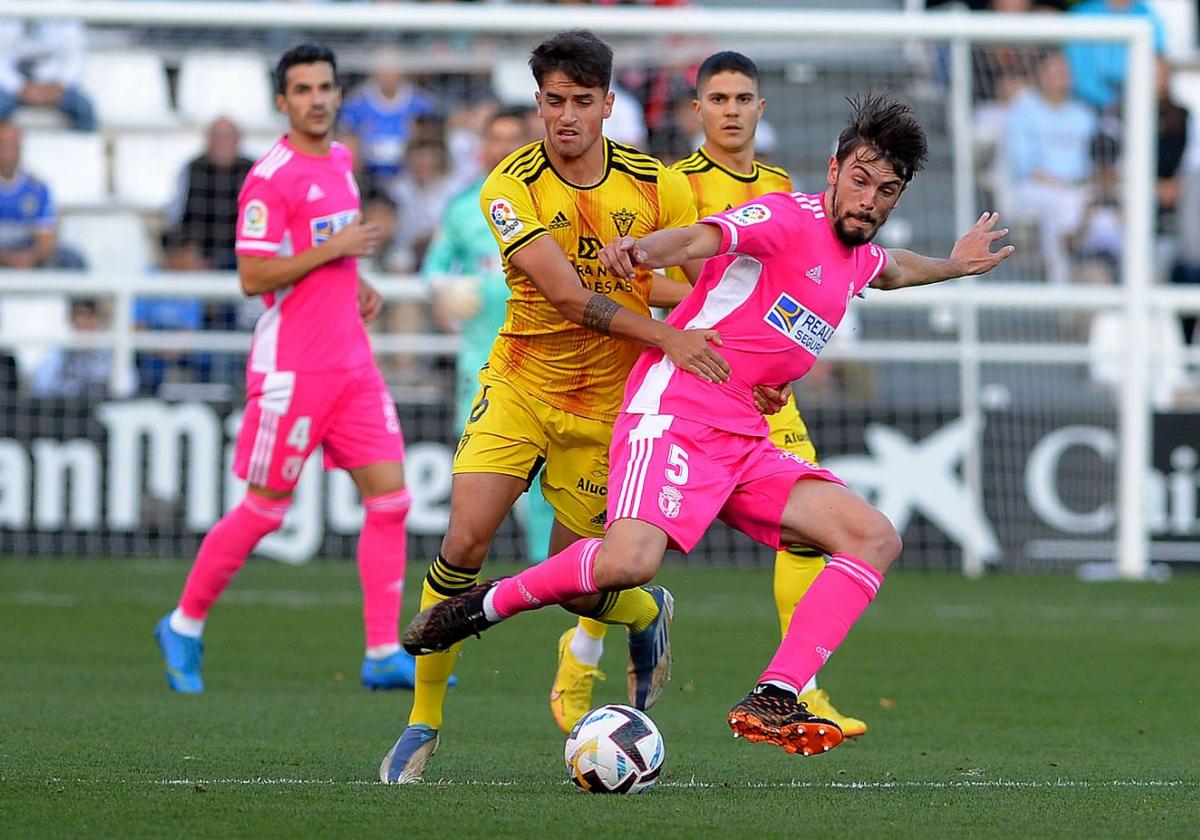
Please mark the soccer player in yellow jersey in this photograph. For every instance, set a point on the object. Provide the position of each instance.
(556, 375)
(722, 174)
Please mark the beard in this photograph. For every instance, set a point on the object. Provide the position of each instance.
(853, 236)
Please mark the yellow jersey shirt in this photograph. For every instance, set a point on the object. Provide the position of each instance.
(568, 366)
(716, 188)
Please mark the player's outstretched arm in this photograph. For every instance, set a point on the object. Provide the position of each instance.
(662, 248)
(547, 267)
(972, 254)
(260, 275)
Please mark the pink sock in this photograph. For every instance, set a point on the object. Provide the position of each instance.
(823, 618)
(382, 554)
(556, 579)
(226, 548)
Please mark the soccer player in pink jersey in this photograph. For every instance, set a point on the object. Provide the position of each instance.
(311, 378)
(779, 275)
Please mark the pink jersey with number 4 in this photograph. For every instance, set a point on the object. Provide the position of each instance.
(290, 202)
(776, 291)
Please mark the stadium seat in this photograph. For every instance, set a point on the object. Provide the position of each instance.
(129, 89)
(1179, 26)
(32, 325)
(259, 143)
(71, 163)
(109, 242)
(235, 85)
(146, 167)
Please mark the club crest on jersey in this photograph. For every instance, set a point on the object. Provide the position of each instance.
(254, 220)
(323, 227)
(670, 500)
(624, 219)
(504, 217)
(801, 325)
(751, 214)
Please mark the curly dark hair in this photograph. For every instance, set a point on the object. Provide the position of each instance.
(883, 127)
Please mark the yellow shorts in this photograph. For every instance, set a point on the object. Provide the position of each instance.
(789, 432)
(511, 432)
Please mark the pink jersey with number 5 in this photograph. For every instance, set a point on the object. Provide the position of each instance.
(290, 202)
(776, 291)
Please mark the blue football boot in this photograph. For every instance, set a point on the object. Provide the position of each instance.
(396, 671)
(405, 762)
(650, 653)
(182, 655)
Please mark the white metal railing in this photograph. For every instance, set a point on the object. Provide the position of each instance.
(124, 339)
(1138, 299)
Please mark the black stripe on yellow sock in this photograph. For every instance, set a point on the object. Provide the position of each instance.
(608, 600)
(449, 580)
(804, 551)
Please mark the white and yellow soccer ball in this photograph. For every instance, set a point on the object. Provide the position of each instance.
(614, 749)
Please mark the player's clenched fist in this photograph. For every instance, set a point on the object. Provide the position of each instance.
(622, 256)
(357, 239)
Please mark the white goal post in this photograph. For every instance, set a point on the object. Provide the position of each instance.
(1135, 297)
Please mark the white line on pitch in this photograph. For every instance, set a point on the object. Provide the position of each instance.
(896, 784)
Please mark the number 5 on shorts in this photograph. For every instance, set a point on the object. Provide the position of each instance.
(677, 465)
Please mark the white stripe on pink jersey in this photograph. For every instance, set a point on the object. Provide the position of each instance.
(731, 291)
(255, 245)
(273, 161)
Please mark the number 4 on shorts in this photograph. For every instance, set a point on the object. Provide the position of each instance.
(301, 431)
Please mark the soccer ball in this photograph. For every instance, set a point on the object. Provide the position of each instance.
(614, 749)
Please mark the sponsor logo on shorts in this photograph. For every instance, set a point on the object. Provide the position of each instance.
(600, 518)
(324, 227)
(292, 467)
(751, 214)
(784, 455)
(254, 220)
(586, 486)
(504, 217)
(670, 500)
(800, 324)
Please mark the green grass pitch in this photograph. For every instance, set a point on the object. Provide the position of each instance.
(1009, 707)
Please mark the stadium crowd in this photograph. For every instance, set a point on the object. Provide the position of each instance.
(1047, 133)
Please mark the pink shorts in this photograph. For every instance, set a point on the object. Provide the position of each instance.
(289, 414)
(680, 475)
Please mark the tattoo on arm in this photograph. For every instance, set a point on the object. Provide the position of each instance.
(599, 312)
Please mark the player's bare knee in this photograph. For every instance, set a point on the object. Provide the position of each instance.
(623, 569)
(883, 544)
(465, 549)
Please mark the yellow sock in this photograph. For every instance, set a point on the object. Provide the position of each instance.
(433, 670)
(796, 568)
(595, 629)
(635, 608)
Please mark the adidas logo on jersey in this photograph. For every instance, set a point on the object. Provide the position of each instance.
(814, 274)
(559, 221)
(315, 193)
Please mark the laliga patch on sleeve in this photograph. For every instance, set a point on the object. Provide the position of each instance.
(504, 217)
(751, 214)
(254, 220)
